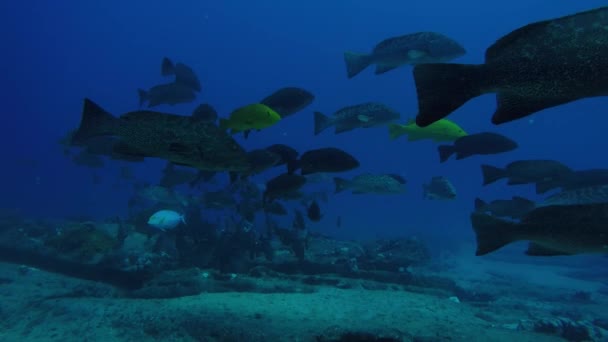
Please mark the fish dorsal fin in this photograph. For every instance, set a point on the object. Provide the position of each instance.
(496, 49)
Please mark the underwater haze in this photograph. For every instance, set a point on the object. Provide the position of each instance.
(57, 53)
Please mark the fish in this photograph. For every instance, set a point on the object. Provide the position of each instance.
(584, 179)
(166, 220)
(173, 175)
(246, 118)
(439, 188)
(413, 48)
(161, 195)
(328, 159)
(289, 100)
(538, 66)
(168, 93)
(205, 112)
(370, 183)
(183, 74)
(589, 195)
(286, 154)
(261, 160)
(175, 138)
(282, 185)
(478, 143)
(364, 115)
(442, 130)
(314, 212)
(552, 230)
(547, 174)
(515, 208)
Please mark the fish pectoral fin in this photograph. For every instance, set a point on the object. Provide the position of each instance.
(382, 68)
(534, 249)
(511, 107)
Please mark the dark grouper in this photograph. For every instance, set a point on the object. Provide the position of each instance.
(415, 48)
(552, 230)
(538, 66)
(182, 140)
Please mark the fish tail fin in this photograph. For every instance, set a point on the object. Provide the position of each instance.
(167, 67)
(143, 96)
(395, 131)
(321, 122)
(444, 87)
(445, 151)
(492, 233)
(341, 184)
(479, 204)
(356, 62)
(95, 122)
(491, 174)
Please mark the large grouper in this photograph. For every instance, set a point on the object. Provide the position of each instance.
(182, 140)
(538, 66)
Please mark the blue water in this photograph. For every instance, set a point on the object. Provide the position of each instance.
(55, 53)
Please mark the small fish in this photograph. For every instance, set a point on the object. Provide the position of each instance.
(414, 48)
(166, 220)
(365, 115)
(205, 112)
(314, 212)
(289, 100)
(169, 93)
(479, 143)
(183, 74)
(323, 160)
(439, 188)
(253, 116)
(538, 66)
(261, 160)
(282, 185)
(370, 183)
(552, 230)
(514, 208)
(285, 153)
(442, 130)
(547, 174)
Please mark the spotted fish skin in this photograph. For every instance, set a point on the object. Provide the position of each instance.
(182, 140)
(538, 66)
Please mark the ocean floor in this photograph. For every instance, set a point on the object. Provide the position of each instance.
(39, 306)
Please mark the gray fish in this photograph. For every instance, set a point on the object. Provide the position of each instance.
(183, 74)
(439, 188)
(205, 112)
(414, 48)
(479, 143)
(285, 153)
(538, 66)
(586, 178)
(289, 100)
(547, 174)
(365, 115)
(514, 208)
(169, 93)
(328, 159)
(369, 183)
(552, 230)
(589, 195)
(179, 139)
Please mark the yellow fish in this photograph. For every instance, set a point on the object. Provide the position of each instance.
(442, 130)
(253, 116)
